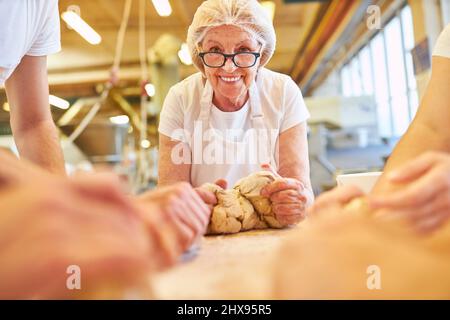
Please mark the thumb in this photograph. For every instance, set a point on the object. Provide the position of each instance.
(221, 183)
(268, 167)
(413, 169)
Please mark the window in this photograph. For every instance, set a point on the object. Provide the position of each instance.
(381, 86)
(346, 82)
(366, 71)
(397, 77)
(356, 78)
(384, 68)
(408, 43)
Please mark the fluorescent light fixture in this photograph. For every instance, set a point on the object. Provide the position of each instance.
(145, 144)
(6, 107)
(58, 102)
(123, 119)
(162, 7)
(80, 26)
(150, 89)
(184, 55)
(269, 7)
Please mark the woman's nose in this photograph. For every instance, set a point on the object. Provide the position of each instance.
(229, 65)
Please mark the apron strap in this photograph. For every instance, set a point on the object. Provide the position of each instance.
(206, 103)
(256, 114)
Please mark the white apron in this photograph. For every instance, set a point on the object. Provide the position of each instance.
(231, 159)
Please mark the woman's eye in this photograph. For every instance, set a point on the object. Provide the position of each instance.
(214, 49)
(244, 49)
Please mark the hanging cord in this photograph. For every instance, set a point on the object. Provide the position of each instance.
(113, 79)
(142, 170)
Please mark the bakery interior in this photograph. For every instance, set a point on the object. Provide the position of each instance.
(362, 86)
(340, 65)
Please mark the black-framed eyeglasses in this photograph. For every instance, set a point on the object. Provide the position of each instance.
(240, 59)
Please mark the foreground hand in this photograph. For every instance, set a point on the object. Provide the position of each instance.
(423, 195)
(66, 223)
(14, 171)
(288, 196)
(334, 200)
(176, 216)
(207, 196)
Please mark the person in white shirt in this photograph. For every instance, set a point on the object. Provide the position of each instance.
(232, 117)
(116, 239)
(416, 181)
(29, 31)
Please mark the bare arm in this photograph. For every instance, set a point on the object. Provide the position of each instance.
(32, 125)
(293, 157)
(430, 128)
(169, 171)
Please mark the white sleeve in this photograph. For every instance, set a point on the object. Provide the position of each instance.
(442, 47)
(171, 119)
(295, 111)
(48, 40)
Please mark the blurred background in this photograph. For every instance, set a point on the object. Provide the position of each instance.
(361, 65)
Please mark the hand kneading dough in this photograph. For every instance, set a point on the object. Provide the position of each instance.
(242, 208)
(250, 187)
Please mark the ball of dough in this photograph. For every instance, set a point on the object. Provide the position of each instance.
(212, 187)
(232, 213)
(242, 208)
(250, 187)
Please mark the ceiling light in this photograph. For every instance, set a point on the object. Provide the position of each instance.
(145, 144)
(58, 102)
(80, 26)
(150, 89)
(162, 7)
(184, 55)
(6, 107)
(123, 119)
(269, 7)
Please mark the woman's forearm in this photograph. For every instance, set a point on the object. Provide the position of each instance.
(169, 170)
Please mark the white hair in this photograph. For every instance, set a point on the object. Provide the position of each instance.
(248, 15)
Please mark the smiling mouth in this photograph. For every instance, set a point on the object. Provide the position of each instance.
(230, 79)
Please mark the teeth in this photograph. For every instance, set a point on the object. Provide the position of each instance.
(228, 79)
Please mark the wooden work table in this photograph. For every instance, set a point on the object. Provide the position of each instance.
(235, 266)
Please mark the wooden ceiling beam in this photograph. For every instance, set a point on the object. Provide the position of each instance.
(330, 27)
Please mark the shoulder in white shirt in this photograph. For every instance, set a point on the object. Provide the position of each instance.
(28, 27)
(442, 47)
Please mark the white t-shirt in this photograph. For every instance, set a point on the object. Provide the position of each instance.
(281, 102)
(442, 47)
(27, 27)
(237, 120)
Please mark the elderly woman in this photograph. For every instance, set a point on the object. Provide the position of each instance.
(235, 115)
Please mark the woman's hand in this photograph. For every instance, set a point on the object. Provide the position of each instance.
(423, 195)
(288, 196)
(334, 200)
